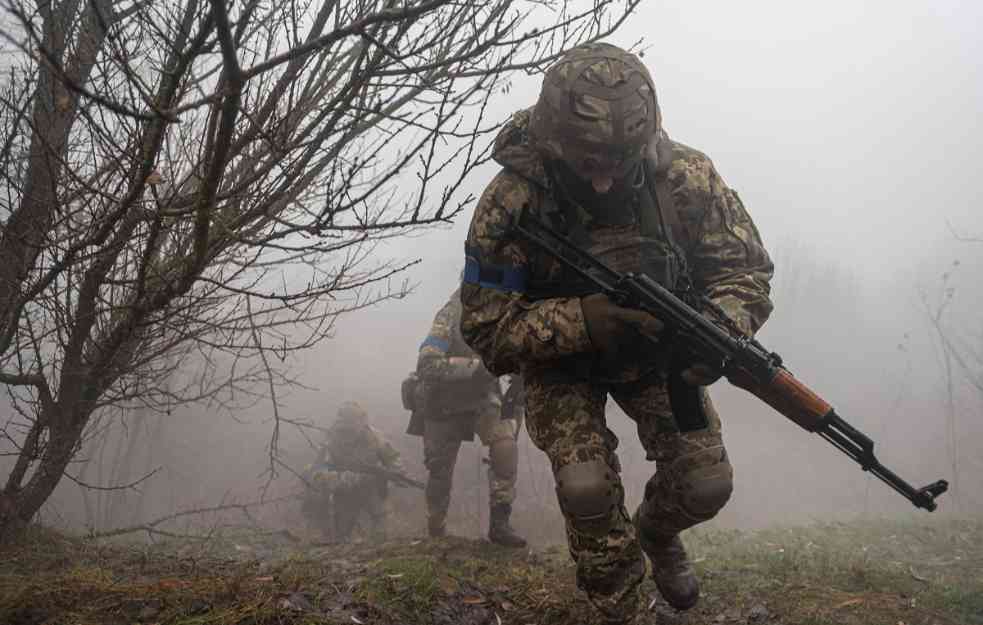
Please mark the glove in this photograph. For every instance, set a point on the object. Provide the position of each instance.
(463, 368)
(617, 332)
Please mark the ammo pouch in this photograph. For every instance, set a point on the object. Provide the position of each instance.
(408, 391)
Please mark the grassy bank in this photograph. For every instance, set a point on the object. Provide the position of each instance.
(847, 574)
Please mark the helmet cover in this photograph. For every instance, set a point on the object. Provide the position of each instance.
(597, 111)
(353, 412)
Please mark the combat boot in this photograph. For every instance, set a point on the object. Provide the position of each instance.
(671, 569)
(500, 531)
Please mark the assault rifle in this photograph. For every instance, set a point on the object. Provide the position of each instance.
(395, 477)
(718, 342)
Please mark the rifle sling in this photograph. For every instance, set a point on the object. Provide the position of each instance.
(686, 400)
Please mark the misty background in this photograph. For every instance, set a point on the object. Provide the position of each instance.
(851, 132)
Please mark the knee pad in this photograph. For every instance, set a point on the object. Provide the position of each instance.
(704, 490)
(504, 457)
(588, 491)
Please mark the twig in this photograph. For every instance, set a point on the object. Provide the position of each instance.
(960, 237)
(132, 485)
(916, 576)
(151, 526)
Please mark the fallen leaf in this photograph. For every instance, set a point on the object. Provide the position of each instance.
(849, 602)
(170, 584)
(473, 600)
(149, 611)
(296, 602)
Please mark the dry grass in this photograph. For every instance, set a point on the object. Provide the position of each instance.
(889, 573)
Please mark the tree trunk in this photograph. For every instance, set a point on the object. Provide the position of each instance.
(19, 505)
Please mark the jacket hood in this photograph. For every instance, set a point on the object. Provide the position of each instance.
(514, 151)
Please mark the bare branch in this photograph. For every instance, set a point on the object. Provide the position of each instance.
(131, 486)
(152, 526)
(960, 237)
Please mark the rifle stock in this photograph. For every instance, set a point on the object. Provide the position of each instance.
(716, 341)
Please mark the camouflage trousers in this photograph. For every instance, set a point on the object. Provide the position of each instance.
(441, 444)
(565, 418)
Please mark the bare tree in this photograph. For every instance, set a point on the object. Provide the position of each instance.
(204, 178)
(958, 349)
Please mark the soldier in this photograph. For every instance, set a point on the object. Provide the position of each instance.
(591, 160)
(341, 484)
(459, 397)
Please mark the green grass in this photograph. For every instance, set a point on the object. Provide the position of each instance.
(891, 567)
(405, 586)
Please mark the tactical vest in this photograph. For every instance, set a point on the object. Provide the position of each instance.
(646, 243)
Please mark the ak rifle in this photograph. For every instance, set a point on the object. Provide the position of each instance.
(718, 342)
(395, 477)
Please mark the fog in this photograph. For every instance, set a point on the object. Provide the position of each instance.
(851, 132)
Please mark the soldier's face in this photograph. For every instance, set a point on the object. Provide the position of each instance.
(603, 172)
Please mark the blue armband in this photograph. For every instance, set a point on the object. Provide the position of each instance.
(498, 277)
(439, 344)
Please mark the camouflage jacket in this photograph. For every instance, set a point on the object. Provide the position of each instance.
(438, 368)
(513, 331)
(349, 445)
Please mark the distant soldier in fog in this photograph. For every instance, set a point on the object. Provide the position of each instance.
(349, 477)
(458, 397)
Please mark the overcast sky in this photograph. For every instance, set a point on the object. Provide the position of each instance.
(853, 125)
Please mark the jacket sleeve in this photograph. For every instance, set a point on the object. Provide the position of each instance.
(433, 363)
(728, 261)
(498, 320)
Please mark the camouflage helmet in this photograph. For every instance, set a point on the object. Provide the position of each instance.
(597, 110)
(353, 412)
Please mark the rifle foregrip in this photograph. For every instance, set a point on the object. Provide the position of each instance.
(792, 398)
